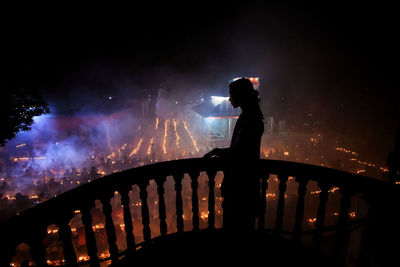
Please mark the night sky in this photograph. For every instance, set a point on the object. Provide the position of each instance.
(339, 62)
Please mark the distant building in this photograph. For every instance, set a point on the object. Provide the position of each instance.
(216, 119)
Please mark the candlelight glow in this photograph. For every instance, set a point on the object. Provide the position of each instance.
(176, 135)
(137, 148)
(150, 145)
(191, 137)
(165, 136)
(157, 121)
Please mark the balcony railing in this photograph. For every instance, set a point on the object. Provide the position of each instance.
(376, 215)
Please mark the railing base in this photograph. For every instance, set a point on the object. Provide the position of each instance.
(221, 248)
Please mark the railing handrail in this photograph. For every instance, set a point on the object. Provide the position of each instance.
(96, 188)
(50, 211)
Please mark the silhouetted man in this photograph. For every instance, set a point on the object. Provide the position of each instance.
(240, 187)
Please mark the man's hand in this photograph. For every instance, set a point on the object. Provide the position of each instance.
(216, 152)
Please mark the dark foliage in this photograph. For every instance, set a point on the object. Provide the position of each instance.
(17, 109)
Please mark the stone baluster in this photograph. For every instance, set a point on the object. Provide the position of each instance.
(89, 234)
(179, 204)
(161, 205)
(7, 249)
(263, 203)
(341, 227)
(281, 202)
(65, 236)
(125, 201)
(301, 192)
(195, 200)
(211, 198)
(38, 250)
(109, 226)
(371, 235)
(321, 214)
(145, 211)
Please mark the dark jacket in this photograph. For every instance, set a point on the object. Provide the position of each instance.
(243, 153)
(246, 137)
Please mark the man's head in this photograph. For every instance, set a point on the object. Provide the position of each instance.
(241, 91)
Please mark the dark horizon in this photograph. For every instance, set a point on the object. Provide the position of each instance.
(336, 62)
(113, 175)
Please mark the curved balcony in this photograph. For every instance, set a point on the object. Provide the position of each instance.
(361, 233)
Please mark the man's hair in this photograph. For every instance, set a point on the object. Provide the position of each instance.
(243, 87)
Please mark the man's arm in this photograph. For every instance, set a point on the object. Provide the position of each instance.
(217, 153)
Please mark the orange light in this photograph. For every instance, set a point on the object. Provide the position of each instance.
(165, 136)
(137, 148)
(176, 135)
(149, 148)
(191, 137)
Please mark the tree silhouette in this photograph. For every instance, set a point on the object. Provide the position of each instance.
(17, 109)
